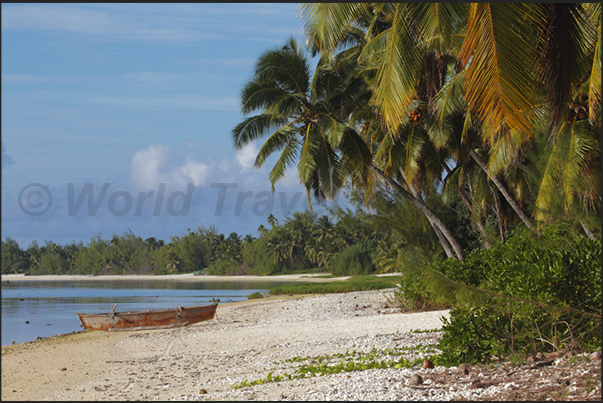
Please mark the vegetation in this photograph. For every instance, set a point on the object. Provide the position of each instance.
(346, 362)
(478, 180)
(355, 283)
(491, 107)
(344, 243)
(255, 295)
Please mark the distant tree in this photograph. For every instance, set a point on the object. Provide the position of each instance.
(14, 259)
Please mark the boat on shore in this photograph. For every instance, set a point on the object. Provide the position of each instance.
(147, 320)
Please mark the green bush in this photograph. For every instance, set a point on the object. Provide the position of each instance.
(532, 293)
(413, 295)
(225, 266)
(256, 259)
(352, 260)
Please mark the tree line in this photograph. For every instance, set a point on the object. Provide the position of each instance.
(341, 242)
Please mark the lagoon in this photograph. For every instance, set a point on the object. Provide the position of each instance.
(32, 309)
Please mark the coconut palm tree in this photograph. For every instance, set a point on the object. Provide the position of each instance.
(296, 117)
(506, 53)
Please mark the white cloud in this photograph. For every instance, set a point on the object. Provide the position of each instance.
(246, 155)
(197, 171)
(162, 164)
(145, 165)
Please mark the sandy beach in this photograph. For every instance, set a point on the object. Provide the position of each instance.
(258, 339)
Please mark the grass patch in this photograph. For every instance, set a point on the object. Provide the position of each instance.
(307, 367)
(255, 295)
(355, 283)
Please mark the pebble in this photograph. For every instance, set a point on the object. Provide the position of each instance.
(596, 356)
(427, 364)
(415, 380)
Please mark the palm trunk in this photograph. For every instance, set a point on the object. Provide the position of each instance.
(498, 213)
(588, 232)
(424, 209)
(503, 190)
(469, 204)
(479, 223)
(443, 241)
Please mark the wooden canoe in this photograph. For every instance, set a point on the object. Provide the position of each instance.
(147, 320)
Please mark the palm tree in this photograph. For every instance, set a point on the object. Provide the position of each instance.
(262, 230)
(272, 221)
(297, 119)
(324, 27)
(506, 54)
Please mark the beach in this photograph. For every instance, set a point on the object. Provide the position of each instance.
(260, 340)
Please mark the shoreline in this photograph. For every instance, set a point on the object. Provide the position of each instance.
(246, 340)
(309, 277)
(227, 358)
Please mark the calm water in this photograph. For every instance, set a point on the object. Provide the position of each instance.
(50, 307)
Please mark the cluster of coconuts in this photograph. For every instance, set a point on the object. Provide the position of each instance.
(578, 108)
(415, 116)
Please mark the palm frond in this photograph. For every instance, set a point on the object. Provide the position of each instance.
(355, 155)
(254, 128)
(285, 160)
(287, 67)
(307, 158)
(564, 54)
(594, 88)
(503, 152)
(450, 99)
(276, 142)
(332, 128)
(326, 24)
(440, 22)
(580, 142)
(499, 56)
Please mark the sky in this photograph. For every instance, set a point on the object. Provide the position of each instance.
(117, 117)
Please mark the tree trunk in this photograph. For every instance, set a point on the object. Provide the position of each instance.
(424, 209)
(443, 241)
(503, 190)
(588, 232)
(479, 223)
(498, 213)
(467, 201)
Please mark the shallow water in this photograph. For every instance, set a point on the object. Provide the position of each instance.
(32, 309)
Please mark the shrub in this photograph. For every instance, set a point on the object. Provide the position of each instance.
(256, 259)
(532, 293)
(225, 266)
(352, 260)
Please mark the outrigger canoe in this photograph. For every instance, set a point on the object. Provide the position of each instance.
(147, 320)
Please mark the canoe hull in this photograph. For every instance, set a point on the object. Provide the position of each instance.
(141, 320)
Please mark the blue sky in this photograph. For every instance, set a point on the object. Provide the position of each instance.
(134, 95)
